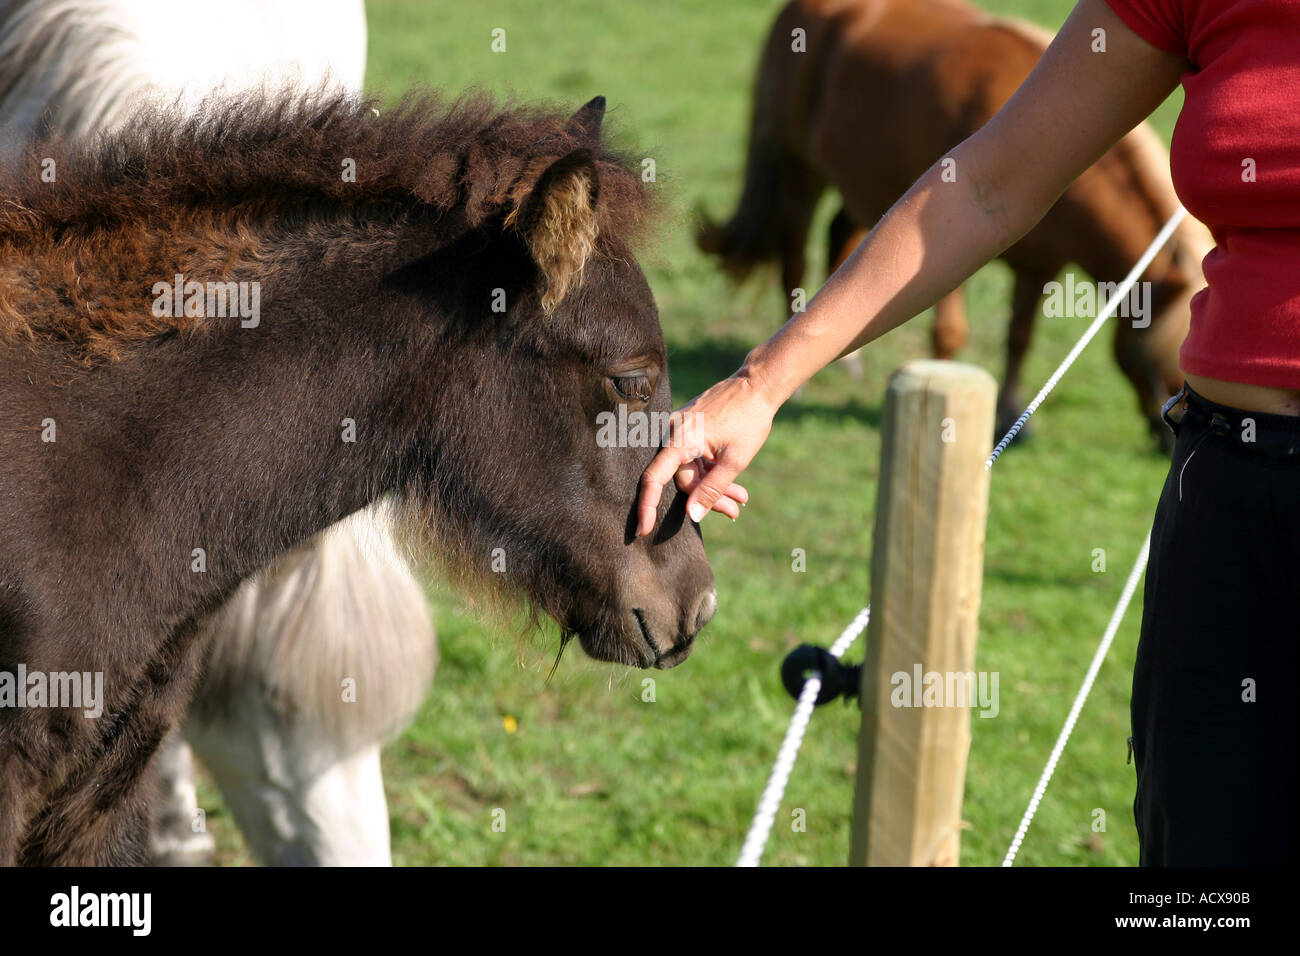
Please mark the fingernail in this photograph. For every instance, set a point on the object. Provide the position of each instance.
(697, 511)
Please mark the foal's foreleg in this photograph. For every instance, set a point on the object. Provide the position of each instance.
(49, 815)
(77, 831)
(97, 811)
(19, 791)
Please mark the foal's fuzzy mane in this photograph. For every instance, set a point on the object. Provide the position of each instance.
(240, 172)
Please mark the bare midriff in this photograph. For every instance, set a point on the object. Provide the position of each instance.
(1250, 398)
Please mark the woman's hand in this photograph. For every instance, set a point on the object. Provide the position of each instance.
(712, 439)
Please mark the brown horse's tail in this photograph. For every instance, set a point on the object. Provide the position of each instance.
(752, 236)
(780, 192)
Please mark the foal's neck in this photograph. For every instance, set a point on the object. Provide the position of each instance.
(243, 440)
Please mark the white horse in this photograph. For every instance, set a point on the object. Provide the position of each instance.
(322, 657)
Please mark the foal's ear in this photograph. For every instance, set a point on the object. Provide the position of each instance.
(584, 125)
(558, 221)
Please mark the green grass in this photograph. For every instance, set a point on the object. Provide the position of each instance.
(595, 775)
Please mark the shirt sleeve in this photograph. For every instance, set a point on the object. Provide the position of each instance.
(1162, 23)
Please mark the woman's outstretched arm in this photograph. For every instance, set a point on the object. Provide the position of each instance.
(1075, 106)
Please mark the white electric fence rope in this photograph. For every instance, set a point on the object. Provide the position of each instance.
(1120, 294)
(770, 802)
(764, 817)
(1130, 586)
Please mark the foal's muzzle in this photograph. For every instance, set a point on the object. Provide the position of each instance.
(662, 654)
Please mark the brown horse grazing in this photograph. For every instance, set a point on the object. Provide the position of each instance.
(444, 306)
(870, 94)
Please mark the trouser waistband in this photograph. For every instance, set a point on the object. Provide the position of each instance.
(1260, 433)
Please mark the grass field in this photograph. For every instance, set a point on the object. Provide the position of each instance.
(588, 772)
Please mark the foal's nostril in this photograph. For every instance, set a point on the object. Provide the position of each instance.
(708, 607)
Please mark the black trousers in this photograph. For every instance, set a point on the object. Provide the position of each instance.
(1214, 707)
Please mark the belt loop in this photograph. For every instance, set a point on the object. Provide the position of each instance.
(1168, 406)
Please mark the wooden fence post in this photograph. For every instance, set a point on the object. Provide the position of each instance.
(926, 573)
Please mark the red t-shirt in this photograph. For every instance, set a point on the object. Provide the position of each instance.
(1235, 159)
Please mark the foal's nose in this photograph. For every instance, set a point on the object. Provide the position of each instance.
(708, 608)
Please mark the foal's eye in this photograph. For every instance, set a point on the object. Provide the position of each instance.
(635, 388)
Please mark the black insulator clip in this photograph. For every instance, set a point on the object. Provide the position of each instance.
(838, 679)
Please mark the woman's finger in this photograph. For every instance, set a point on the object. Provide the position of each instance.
(658, 474)
(727, 506)
(690, 475)
(737, 493)
(712, 488)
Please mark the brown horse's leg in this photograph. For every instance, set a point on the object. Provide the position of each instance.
(797, 203)
(1025, 298)
(950, 330)
(844, 236)
(1148, 354)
